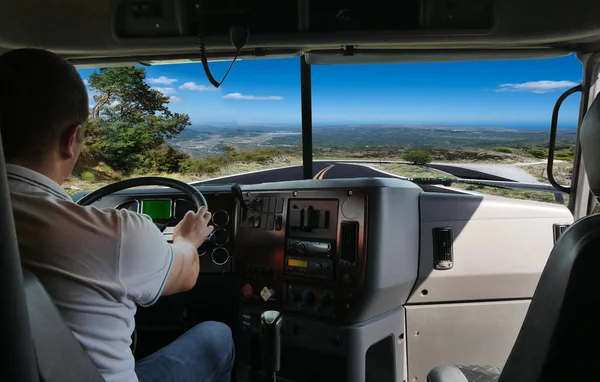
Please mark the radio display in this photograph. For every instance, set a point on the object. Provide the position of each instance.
(157, 209)
(297, 263)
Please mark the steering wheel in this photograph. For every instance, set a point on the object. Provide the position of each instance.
(187, 189)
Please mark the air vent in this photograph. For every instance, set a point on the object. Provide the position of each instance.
(558, 230)
(349, 243)
(442, 249)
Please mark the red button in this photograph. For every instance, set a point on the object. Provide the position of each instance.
(247, 290)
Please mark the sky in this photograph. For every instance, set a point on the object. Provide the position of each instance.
(515, 93)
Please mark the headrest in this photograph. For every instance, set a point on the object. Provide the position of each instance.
(589, 137)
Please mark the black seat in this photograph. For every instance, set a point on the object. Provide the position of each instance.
(40, 345)
(560, 337)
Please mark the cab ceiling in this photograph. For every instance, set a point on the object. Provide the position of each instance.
(147, 31)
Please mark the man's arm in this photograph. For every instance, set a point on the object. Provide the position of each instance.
(188, 235)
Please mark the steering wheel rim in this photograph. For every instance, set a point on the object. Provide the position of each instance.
(121, 185)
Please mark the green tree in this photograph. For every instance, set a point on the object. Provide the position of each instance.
(130, 120)
(418, 157)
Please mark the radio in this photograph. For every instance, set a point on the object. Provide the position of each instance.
(309, 268)
(309, 248)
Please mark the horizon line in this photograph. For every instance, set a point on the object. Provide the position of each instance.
(532, 126)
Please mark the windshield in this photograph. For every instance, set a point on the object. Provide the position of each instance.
(468, 120)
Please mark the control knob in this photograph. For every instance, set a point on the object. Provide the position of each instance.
(326, 301)
(301, 247)
(308, 297)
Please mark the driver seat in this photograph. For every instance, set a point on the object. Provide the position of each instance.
(42, 346)
(559, 339)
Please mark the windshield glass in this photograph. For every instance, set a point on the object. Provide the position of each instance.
(466, 120)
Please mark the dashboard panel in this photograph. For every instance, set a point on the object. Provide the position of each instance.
(303, 251)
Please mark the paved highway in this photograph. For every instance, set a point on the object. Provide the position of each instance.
(321, 170)
(331, 170)
(500, 172)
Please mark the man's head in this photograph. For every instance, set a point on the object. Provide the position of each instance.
(43, 105)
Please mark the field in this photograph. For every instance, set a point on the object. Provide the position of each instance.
(367, 140)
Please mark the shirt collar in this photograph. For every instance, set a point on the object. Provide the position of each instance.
(35, 179)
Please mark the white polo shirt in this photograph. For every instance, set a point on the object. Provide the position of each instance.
(96, 265)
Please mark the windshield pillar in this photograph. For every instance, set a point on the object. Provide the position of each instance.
(306, 100)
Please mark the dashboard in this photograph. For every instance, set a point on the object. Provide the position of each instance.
(354, 263)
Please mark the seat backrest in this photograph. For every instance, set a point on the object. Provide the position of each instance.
(14, 328)
(559, 339)
(59, 354)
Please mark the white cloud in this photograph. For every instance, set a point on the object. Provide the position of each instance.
(174, 99)
(165, 90)
(360, 110)
(538, 87)
(196, 87)
(252, 97)
(162, 80)
(85, 82)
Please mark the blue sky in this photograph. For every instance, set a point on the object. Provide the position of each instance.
(517, 93)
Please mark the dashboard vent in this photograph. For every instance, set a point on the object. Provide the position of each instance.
(349, 243)
(443, 258)
(558, 230)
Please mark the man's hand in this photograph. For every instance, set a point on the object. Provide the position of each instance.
(188, 236)
(193, 227)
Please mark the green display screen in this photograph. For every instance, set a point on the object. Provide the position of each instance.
(157, 209)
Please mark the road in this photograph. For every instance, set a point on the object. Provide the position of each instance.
(489, 171)
(336, 170)
(321, 170)
(501, 172)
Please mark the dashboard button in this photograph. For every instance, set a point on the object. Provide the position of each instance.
(220, 256)
(221, 237)
(220, 218)
(278, 222)
(279, 205)
(265, 204)
(301, 247)
(247, 290)
(271, 223)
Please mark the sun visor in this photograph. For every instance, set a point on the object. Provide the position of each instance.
(388, 56)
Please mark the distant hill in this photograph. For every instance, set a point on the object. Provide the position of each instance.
(206, 139)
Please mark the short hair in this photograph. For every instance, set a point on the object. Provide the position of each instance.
(41, 97)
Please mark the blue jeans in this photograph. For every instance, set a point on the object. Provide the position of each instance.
(204, 353)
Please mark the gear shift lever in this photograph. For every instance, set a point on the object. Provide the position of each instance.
(270, 338)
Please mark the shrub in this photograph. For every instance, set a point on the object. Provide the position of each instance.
(205, 165)
(419, 157)
(505, 150)
(538, 152)
(88, 176)
(162, 159)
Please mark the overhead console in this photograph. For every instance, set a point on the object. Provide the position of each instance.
(166, 18)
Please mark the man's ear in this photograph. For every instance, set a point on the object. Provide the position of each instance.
(70, 142)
